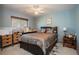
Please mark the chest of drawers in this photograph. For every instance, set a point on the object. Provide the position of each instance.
(5, 40)
(16, 37)
(69, 42)
(10, 39)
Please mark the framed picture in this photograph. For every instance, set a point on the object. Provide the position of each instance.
(49, 21)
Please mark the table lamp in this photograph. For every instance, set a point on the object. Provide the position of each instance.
(65, 30)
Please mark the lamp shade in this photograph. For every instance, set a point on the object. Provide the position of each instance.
(64, 29)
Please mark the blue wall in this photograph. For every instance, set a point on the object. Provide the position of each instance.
(6, 13)
(66, 18)
(0, 15)
(60, 19)
(77, 24)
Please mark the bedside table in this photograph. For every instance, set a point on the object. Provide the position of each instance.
(69, 41)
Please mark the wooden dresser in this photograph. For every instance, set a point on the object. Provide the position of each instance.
(16, 37)
(9, 39)
(69, 41)
(5, 40)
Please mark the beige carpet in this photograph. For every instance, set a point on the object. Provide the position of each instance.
(16, 50)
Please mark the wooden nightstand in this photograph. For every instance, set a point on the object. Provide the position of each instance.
(69, 41)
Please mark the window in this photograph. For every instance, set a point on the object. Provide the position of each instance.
(19, 22)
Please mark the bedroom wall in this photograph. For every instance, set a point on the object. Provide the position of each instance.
(60, 19)
(6, 17)
(77, 25)
(0, 15)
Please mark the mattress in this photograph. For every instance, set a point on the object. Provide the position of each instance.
(43, 40)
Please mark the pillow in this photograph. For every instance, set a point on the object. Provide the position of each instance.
(49, 31)
(43, 30)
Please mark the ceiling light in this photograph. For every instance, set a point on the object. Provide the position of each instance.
(37, 9)
(36, 13)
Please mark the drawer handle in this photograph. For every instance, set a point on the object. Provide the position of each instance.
(7, 42)
(16, 37)
(7, 39)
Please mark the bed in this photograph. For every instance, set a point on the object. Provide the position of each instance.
(39, 43)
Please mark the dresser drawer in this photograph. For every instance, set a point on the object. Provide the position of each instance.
(6, 43)
(70, 45)
(68, 39)
(66, 44)
(6, 40)
(6, 37)
(16, 40)
(70, 42)
(16, 37)
(10, 36)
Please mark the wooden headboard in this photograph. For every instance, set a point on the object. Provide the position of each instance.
(55, 29)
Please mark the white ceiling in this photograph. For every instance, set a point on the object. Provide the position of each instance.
(48, 8)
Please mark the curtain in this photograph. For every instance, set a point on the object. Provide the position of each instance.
(16, 22)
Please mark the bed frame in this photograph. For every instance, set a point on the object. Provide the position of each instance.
(36, 50)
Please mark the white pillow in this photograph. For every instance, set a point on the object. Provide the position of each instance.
(49, 31)
(43, 30)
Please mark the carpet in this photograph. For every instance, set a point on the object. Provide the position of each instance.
(59, 50)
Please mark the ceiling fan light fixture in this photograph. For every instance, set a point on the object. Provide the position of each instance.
(42, 11)
(36, 13)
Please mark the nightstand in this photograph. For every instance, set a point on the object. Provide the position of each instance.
(69, 41)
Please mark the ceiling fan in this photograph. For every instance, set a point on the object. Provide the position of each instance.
(37, 9)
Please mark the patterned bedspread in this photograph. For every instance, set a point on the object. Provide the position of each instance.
(43, 40)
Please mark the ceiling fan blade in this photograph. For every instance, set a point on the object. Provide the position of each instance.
(41, 11)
